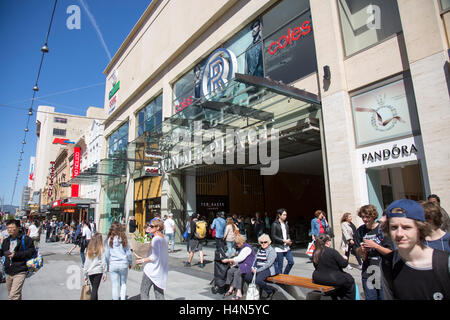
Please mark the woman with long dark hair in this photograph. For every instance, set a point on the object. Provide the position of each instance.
(329, 265)
(119, 260)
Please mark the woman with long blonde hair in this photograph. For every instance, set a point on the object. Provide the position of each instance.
(119, 260)
(95, 264)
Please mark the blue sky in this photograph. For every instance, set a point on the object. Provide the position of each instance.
(75, 63)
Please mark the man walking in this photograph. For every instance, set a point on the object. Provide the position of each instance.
(194, 243)
(169, 228)
(17, 249)
(219, 225)
(282, 242)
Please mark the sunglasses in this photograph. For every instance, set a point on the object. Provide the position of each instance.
(263, 242)
(152, 226)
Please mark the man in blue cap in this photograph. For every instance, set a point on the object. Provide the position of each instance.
(413, 271)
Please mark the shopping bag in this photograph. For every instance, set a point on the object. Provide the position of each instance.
(310, 249)
(86, 292)
(252, 291)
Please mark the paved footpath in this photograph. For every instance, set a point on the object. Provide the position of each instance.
(61, 278)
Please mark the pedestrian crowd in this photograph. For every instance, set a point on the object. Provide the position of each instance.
(402, 253)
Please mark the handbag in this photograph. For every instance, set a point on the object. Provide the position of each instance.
(310, 249)
(35, 263)
(185, 235)
(86, 292)
(252, 291)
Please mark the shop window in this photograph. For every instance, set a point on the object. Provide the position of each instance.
(150, 116)
(367, 22)
(117, 142)
(445, 5)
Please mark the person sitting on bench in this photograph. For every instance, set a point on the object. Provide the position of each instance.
(329, 265)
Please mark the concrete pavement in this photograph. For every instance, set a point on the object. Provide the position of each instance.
(61, 276)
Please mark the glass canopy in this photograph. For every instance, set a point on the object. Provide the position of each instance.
(245, 102)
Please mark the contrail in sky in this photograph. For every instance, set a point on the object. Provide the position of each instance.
(97, 29)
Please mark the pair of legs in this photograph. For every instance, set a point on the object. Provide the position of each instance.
(171, 238)
(14, 284)
(119, 276)
(352, 250)
(280, 259)
(219, 243)
(146, 285)
(234, 280)
(260, 280)
(230, 249)
(194, 246)
(95, 283)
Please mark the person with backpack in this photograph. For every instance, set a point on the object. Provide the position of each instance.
(413, 271)
(373, 246)
(17, 249)
(76, 237)
(218, 225)
(197, 233)
(230, 236)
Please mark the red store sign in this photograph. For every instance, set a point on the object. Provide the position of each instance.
(52, 175)
(291, 36)
(184, 104)
(76, 169)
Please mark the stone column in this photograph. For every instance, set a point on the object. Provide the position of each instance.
(428, 59)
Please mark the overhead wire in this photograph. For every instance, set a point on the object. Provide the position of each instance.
(44, 50)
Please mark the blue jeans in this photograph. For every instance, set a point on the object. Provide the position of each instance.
(171, 238)
(372, 294)
(119, 276)
(279, 262)
(230, 248)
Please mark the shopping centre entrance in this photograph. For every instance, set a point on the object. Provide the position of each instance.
(283, 121)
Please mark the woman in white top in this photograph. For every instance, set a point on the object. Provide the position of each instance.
(347, 242)
(157, 267)
(230, 236)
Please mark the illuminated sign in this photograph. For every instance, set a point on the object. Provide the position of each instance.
(52, 175)
(219, 69)
(76, 170)
(62, 141)
(291, 36)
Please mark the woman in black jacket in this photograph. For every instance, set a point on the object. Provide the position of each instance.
(329, 265)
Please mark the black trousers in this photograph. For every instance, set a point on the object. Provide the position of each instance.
(352, 250)
(343, 281)
(95, 283)
(219, 243)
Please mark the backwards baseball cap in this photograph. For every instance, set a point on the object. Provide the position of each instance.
(411, 210)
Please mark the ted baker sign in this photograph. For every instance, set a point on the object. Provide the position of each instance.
(290, 37)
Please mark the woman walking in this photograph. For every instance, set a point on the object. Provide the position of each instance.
(95, 265)
(157, 267)
(329, 265)
(348, 243)
(230, 237)
(118, 259)
(85, 238)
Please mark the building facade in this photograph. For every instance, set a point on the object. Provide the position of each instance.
(345, 94)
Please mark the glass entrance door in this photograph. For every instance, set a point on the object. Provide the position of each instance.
(386, 184)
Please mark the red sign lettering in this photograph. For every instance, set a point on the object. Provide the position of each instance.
(76, 169)
(290, 37)
(184, 104)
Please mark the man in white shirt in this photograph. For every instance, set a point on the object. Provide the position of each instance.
(169, 229)
(33, 233)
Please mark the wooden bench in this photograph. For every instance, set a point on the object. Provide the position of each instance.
(291, 287)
